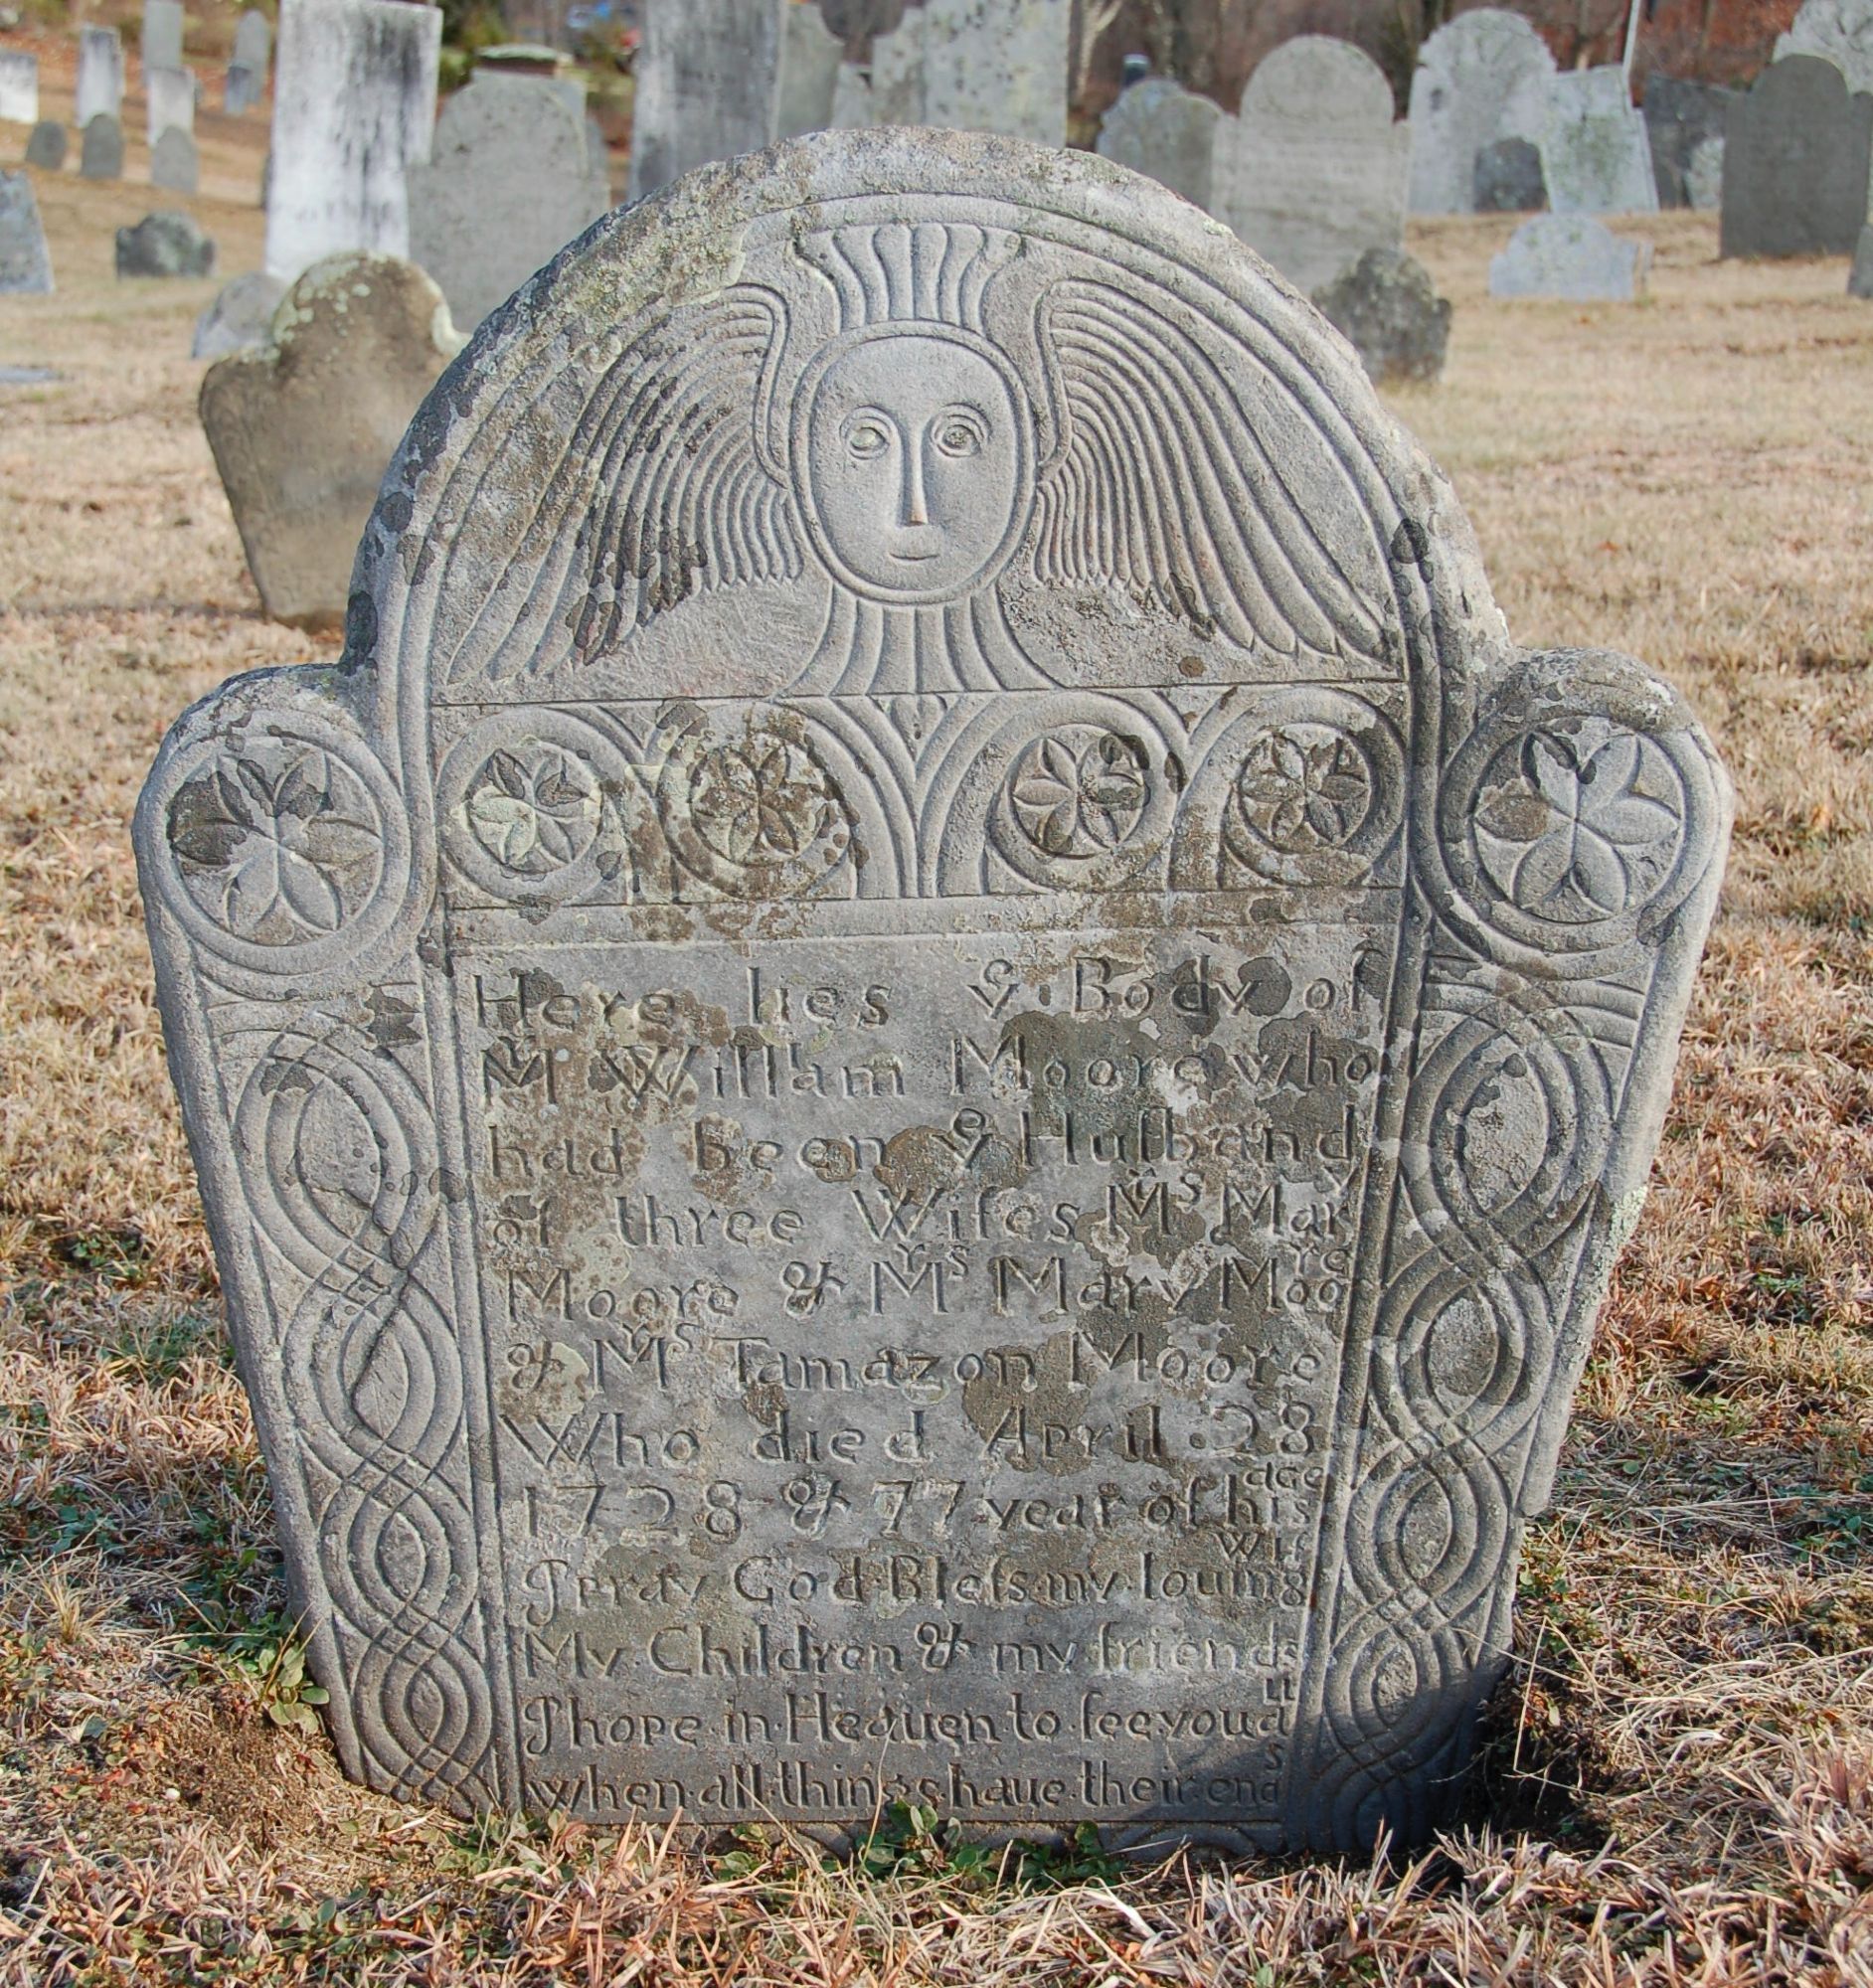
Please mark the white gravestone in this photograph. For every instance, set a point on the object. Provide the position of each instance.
(708, 86)
(99, 76)
(508, 184)
(170, 100)
(161, 44)
(1467, 74)
(1842, 31)
(1315, 170)
(354, 105)
(253, 43)
(919, 1084)
(19, 87)
(975, 66)
(25, 260)
(1572, 258)
(1595, 154)
(809, 71)
(1167, 132)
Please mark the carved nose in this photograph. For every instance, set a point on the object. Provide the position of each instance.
(913, 506)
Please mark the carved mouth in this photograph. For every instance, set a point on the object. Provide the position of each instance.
(912, 559)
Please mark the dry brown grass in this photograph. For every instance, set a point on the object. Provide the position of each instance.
(1681, 1767)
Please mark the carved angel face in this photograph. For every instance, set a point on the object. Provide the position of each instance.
(917, 463)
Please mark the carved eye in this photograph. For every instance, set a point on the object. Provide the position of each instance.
(961, 431)
(867, 438)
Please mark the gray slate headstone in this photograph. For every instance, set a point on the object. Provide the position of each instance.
(19, 87)
(1509, 177)
(809, 73)
(99, 76)
(1682, 120)
(1860, 275)
(253, 43)
(1466, 75)
(1315, 170)
(708, 84)
(508, 185)
(48, 145)
(101, 149)
(239, 317)
(165, 243)
(354, 106)
(1571, 256)
(160, 46)
(1840, 32)
(303, 427)
(957, 1151)
(241, 90)
(173, 164)
(1595, 154)
(1388, 308)
(170, 100)
(1798, 152)
(1167, 132)
(25, 260)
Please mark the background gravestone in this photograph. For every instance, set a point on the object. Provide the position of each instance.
(47, 146)
(254, 44)
(1167, 132)
(1595, 154)
(708, 86)
(508, 184)
(1860, 275)
(809, 73)
(160, 45)
(303, 427)
(1387, 308)
(788, 1087)
(1571, 256)
(173, 164)
(25, 260)
(101, 149)
(354, 105)
(1466, 75)
(239, 317)
(99, 76)
(1314, 171)
(1798, 152)
(170, 100)
(1684, 124)
(1509, 179)
(165, 243)
(19, 87)
(1839, 31)
(241, 90)
(965, 66)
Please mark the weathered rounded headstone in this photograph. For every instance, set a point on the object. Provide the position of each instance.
(1167, 132)
(1468, 73)
(918, 1083)
(166, 244)
(1860, 276)
(1509, 179)
(1798, 154)
(25, 260)
(1387, 306)
(101, 149)
(238, 317)
(169, 101)
(1684, 120)
(173, 164)
(45, 148)
(99, 76)
(254, 44)
(1596, 157)
(303, 427)
(1838, 31)
(1571, 256)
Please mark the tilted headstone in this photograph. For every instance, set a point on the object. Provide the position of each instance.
(253, 43)
(508, 184)
(708, 84)
(1388, 309)
(165, 243)
(1596, 157)
(25, 260)
(48, 145)
(170, 99)
(354, 106)
(1315, 170)
(1467, 74)
(160, 45)
(241, 90)
(173, 163)
(1797, 151)
(1682, 119)
(239, 317)
(1509, 177)
(809, 73)
(99, 76)
(1167, 132)
(1571, 256)
(1840, 31)
(303, 427)
(100, 148)
(918, 1085)
(19, 87)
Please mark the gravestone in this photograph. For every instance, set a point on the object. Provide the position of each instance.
(1594, 155)
(46, 148)
(509, 182)
(708, 86)
(99, 76)
(1860, 275)
(1571, 256)
(101, 149)
(19, 87)
(173, 164)
(1840, 31)
(303, 427)
(1798, 152)
(1466, 75)
(354, 106)
(254, 44)
(1509, 177)
(25, 260)
(239, 317)
(170, 99)
(1387, 308)
(164, 244)
(241, 90)
(785, 1061)
(161, 44)
(1316, 171)
(975, 66)
(1684, 121)
(1167, 132)
(809, 73)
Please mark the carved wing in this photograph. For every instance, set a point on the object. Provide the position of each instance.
(1206, 494)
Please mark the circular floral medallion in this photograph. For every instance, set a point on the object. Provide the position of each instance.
(533, 807)
(752, 811)
(1080, 793)
(1305, 788)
